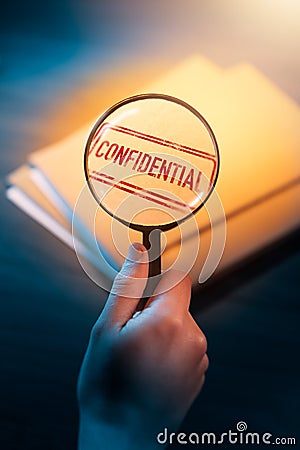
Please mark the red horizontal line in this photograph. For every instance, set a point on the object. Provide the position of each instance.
(156, 194)
(130, 191)
(134, 186)
(169, 145)
(160, 140)
(154, 139)
(101, 174)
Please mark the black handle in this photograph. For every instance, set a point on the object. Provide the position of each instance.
(154, 250)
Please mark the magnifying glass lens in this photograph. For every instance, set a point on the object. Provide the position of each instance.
(151, 161)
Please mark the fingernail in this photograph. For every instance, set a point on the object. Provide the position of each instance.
(136, 253)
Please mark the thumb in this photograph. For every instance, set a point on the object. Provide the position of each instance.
(127, 289)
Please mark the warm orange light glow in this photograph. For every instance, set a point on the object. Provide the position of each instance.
(256, 126)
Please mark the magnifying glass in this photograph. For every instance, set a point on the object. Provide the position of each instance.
(151, 161)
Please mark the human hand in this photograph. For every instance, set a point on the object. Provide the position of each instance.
(141, 371)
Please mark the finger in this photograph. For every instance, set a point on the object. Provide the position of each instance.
(127, 289)
(171, 297)
(201, 382)
(195, 330)
(204, 364)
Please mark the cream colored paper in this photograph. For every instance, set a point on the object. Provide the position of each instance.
(257, 129)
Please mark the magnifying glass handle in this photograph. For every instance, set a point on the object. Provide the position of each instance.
(152, 242)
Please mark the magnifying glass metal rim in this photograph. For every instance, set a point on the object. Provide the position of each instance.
(108, 112)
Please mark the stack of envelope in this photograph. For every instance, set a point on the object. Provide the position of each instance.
(257, 127)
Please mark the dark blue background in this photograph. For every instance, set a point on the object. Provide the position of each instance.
(250, 315)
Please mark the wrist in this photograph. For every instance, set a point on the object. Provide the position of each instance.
(104, 435)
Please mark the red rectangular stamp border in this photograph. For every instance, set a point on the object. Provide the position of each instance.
(156, 140)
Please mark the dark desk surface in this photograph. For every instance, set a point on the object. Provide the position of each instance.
(48, 304)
